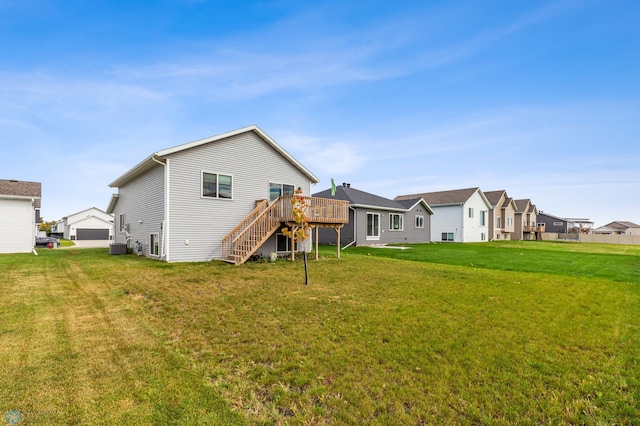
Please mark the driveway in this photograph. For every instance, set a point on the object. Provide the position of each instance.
(90, 244)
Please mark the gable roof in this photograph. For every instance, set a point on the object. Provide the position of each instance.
(357, 198)
(151, 161)
(445, 198)
(494, 197)
(621, 225)
(523, 206)
(21, 190)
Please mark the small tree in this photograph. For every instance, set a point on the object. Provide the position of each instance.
(300, 231)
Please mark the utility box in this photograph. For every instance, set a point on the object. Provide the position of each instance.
(117, 248)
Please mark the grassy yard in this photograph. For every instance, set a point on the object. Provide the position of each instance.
(498, 333)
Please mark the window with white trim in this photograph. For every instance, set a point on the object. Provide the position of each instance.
(279, 189)
(447, 236)
(121, 222)
(419, 221)
(283, 243)
(215, 185)
(373, 226)
(396, 222)
(498, 220)
(483, 236)
(509, 221)
(154, 244)
(470, 211)
(483, 215)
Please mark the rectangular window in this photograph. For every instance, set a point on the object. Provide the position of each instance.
(497, 236)
(396, 222)
(470, 211)
(373, 226)
(483, 214)
(283, 243)
(447, 236)
(498, 222)
(279, 189)
(154, 244)
(483, 236)
(558, 223)
(509, 221)
(121, 222)
(215, 185)
(419, 221)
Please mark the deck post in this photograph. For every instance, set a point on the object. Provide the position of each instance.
(338, 245)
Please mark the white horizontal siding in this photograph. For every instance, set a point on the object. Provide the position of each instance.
(198, 224)
(142, 202)
(17, 222)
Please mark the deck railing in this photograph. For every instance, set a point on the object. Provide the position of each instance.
(263, 221)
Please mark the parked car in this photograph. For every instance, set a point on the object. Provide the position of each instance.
(44, 241)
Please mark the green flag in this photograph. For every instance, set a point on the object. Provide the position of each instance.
(333, 188)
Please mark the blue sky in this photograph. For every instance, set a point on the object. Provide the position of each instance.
(541, 98)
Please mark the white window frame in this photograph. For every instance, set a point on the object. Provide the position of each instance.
(372, 237)
(445, 236)
(122, 219)
(154, 240)
(483, 236)
(419, 221)
(509, 221)
(471, 212)
(498, 220)
(483, 218)
(287, 243)
(400, 224)
(281, 192)
(217, 197)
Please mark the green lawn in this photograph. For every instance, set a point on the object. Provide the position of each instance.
(549, 336)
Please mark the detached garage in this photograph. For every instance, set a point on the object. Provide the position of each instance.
(92, 234)
(89, 224)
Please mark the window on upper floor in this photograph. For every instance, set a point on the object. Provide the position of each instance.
(279, 189)
(470, 211)
(483, 215)
(121, 222)
(216, 185)
(509, 221)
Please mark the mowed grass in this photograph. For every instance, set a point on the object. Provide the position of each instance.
(88, 338)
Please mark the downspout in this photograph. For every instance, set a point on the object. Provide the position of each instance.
(166, 207)
(355, 227)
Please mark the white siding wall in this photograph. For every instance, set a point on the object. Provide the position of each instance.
(17, 222)
(141, 200)
(197, 224)
(472, 229)
(91, 222)
(446, 219)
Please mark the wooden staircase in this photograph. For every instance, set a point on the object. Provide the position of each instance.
(243, 240)
(250, 234)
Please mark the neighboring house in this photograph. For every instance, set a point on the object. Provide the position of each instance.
(501, 215)
(526, 227)
(19, 215)
(224, 197)
(460, 215)
(89, 224)
(378, 220)
(619, 228)
(563, 225)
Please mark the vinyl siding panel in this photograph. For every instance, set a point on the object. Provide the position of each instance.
(17, 222)
(329, 236)
(447, 219)
(141, 200)
(198, 224)
(473, 230)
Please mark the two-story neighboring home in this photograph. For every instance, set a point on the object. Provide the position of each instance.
(19, 215)
(224, 197)
(619, 227)
(89, 224)
(378, 220)
(526, 227)
(460, 215)
(501, 215)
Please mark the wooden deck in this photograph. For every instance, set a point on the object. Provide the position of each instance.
(254, 230)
